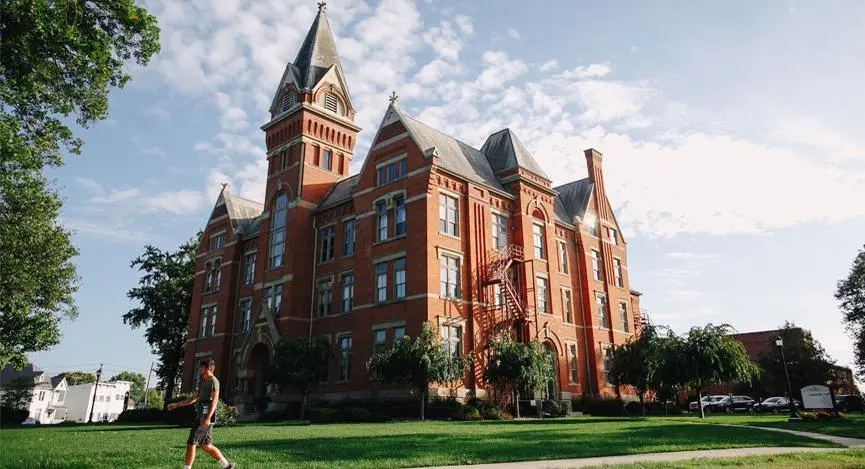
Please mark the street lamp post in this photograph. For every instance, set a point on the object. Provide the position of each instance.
(95, 389)
(793, 412)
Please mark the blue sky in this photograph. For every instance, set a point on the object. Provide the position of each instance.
(732, 133)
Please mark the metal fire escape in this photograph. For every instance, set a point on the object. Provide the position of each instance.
(509, 310)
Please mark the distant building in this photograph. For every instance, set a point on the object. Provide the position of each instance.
(48, 404)
(110, 401)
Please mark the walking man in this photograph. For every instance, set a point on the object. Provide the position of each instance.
(201, 433)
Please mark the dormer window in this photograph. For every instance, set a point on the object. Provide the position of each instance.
(332, 103)
(288, 101)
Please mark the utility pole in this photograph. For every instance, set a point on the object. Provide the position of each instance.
(95, 390)
(794, 414)
(148, 386)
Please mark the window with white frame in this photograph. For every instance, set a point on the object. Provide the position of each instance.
(391, 172)
(623, 316)
(449, 276)
(542, 287)
(596, 265)
(245, 314)
(212, 275)
(381, 282)
(538, 240)
(497, 294)
(381, 217)
(563, 257)
(399, 278)
(398, 333)
(614, 239)
(448, 215)
(347, 283)
(617, 272)
(601, 303)
(217, 242)
(328, 239)
(573, 370)
(379, 340)
(500, 231)
(327, 159)
(344, 358)
(202, 324)
(567, 306)
(278, 220)
(608, 365)
(325, 297)
(399, 216)
(349, 237)
(451, 339)
(249, 269)
(273, 298)
(213, 321)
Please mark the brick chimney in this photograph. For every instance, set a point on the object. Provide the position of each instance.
(594, 163)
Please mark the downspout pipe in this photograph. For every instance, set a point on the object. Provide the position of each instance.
(581, 258)
(314, 265)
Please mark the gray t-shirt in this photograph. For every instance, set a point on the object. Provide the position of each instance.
(206, 387)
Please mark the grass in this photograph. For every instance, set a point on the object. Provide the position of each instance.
(833, 460)
(405, 444)
(853, 427)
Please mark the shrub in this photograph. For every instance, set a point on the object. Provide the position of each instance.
(226, 415)
(554, 408)
(596, 406)
(442, 409)
(11, 416)
(150, 415)
(492, 412)
(633, 408)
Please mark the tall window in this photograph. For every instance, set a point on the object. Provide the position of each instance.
(381, 282)
(391, 172)
(448, 215)
(327, 159)
(497, 294)
(399, 278)
(399, 216)
(449, 276)
(349, 235)
(245, 314)
(273, 298)
(617, 272)
(451, 340)
(543, 295)
(567, 306)
(217, 242)
(572, 363)
(500, 231)
(601, 303)
(325, 297)
(328, 237)
(212, 275)
(538, 240)
(277, 231)
(398, 333)
(381, 220)
(347, 292)
(596, 265)
(614, 239)
(623, 316)
(249, 270)
(608, 364)
(379, 340)
(563, 257)
(202, 325)
(344, 358)
(213, 321)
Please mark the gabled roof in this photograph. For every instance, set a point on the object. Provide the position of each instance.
(243, 213)
(318, 53)
(505, 151)
(10, 374)
(339, 193)
(573, 199)
(56, 380)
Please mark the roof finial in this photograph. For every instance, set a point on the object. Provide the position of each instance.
(225, 186)
(393, 97)
(322, 6)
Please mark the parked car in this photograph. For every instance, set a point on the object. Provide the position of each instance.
(732, 404)
(707, 400)
(776, 404)
(848, 402)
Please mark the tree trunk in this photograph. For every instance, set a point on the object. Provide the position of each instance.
(169, 389)
(303, 404)
(422, 399)
(642, 403)
(517, 403)
(700, 403)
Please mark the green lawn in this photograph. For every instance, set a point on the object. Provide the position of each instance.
(853, 427)
(851, 459)
(407, 444)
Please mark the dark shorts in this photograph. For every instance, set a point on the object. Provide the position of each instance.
(199, 436)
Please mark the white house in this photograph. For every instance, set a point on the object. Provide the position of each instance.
(110, 401)
(49, 401)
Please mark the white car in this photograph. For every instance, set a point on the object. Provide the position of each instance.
(694, 407)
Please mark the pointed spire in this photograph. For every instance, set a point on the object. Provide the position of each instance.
(318, 52)
(505, 151)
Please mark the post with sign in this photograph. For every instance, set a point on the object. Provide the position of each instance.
(817, 397)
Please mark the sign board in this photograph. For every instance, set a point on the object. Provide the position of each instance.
(816, 397)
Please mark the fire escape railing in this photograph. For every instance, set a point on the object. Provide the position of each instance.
(511, 302)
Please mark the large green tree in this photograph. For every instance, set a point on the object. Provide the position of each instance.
(515, 366)
(58, 60)
(17, 394)
(136, 391)
(78, 377)
(299, 363)
(811, 364)
(638, 362)
(164, 295)
(418, 361)
(850, 293)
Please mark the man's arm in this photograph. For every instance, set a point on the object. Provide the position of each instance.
(187, 402)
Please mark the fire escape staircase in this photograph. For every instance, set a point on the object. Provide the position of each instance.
(512, 308)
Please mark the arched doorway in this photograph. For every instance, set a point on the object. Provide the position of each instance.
(552, 389)
(257, 364)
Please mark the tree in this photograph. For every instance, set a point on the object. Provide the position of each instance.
(154, 399)
(78, 377)
(300, 363)
(850, 293)
(17, 394)
(57, 59)
(418, 362)
(515, 366)
(709, 356)
(164, 294)
(136, 391)
(812, 365)
(638, 361)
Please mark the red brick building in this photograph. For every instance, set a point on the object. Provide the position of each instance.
(430, 229)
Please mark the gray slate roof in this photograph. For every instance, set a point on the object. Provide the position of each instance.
(505, 151)
(10, 374)
(317, 53)
(340, 192)
(243, 213)
(573, 199)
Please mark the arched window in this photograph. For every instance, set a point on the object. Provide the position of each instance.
(277, 231)
(288, 101)
(332, 103)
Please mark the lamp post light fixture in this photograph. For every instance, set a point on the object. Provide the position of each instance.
(794, 413)
(95, 389)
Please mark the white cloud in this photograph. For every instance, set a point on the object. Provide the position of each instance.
(591, 71)
(498, 70)
(549, 65)
(444, 41)
(154, 151)
(114, 196)
(105, 231)
(433, 72)
(513, 33)
(688, 256)
(465, 24)
(177, 202)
